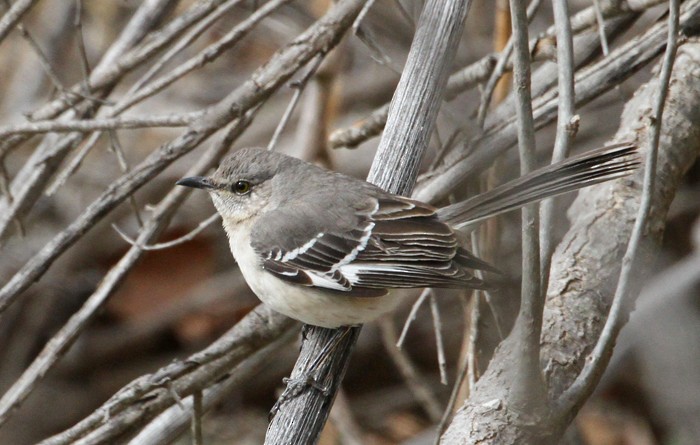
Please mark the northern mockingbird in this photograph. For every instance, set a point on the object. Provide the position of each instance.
(325, 248)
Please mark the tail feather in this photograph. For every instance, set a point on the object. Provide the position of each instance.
(604, 164)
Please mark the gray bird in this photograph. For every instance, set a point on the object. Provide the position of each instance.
(325, 248)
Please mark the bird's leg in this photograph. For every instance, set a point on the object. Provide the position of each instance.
(308, 377)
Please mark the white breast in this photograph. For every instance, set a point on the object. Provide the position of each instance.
(302, 303)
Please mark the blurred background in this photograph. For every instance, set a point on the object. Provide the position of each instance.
(178, 300)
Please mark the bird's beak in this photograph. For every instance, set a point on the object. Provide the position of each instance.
(198, 182)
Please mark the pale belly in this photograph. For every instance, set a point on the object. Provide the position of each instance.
(304, 303)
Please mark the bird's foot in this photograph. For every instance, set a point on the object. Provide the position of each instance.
(295, 387)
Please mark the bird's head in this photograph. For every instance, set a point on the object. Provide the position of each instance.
(244, 183)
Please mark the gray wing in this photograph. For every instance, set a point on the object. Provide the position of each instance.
(385, 242)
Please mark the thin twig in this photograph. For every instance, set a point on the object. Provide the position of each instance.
(367, 37)
(404, 13)
(361, 16)
(299, 87)
(118, 150)
(197, 413)
(13, 16)
(73, 165)
(500, 68)
(475, 316)
(84, 64)
(601, 27)
(589, 376)
(414, 381)
(412, 315)
(565, 129)
(466, 368)
(439, 344)
(471, 359)
(528, 325)
(48, 69)
(342, 417)
(181, 44)
(189, 236)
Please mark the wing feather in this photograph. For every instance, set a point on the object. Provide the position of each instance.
(390, 242)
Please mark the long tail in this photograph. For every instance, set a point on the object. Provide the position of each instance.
(576, 172)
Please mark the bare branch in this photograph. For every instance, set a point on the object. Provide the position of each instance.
(411, 377)
(13, 16)
(601, 27)
(528, 390)
(207, 55)
(166, 245)
(565, 130)
(412, 315)
(185, 41)
(298, 90)
(440, 345)
(173, 421)
(88, 125)
(29, 182)
(500, 68)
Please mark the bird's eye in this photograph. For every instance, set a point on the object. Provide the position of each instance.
(241, 187)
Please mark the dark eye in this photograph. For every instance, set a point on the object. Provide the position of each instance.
(241, 187)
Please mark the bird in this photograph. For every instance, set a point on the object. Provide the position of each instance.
(326, 249)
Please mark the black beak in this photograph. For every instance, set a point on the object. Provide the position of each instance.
(198, 182)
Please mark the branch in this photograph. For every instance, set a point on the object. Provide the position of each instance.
(14, 15)
(528, 389)
(566, 124)
(88, 125)
(203, 57)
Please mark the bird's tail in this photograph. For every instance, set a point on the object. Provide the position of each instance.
(589, 168)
